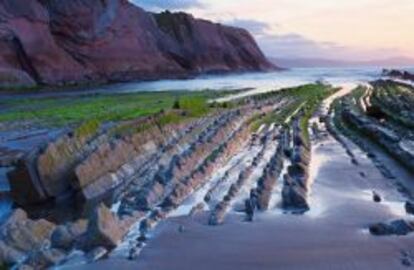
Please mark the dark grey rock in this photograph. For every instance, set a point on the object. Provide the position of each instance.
(376, 197)
(409, 207)
(396, 227)
(406, 262)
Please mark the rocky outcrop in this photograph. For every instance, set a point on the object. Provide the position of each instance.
(104, 230)
(263, 191)
(398, 74)
(40, 244)
(67, 236)
(218, 214)
(296, 186)
(21, 235)
(54, 42)
(389, 139)
(269, 178)
(90, 164)
(148, 169)
(186, 169)
(396, 227)
(409, 208)
(376, 197)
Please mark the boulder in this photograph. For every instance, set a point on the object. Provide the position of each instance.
(396, 227)
(197, 209)
(65, 236)
(376, 197)
(250, 207)
(9, 255)
(218, 214)
(25, 234)
(409, 207)
(294, 196)
(45, 258)
(380, 229)
(20, 235)
(104, 229)
(134, 253)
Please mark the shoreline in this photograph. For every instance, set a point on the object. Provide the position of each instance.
(338, 230)
(336, 226)
(247, 156)
(102, 87)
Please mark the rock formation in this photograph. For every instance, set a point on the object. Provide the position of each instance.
(395, 227)
(21, 235)
(145, 171)
(296, 180)
(398, 74)
(409, 207)
(51, 42)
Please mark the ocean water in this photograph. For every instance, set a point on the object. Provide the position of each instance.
(260, 81)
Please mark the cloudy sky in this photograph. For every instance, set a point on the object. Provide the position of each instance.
(335, 29)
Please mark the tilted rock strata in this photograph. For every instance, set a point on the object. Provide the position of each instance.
(387, 138)
(91, 165)
(296, 186)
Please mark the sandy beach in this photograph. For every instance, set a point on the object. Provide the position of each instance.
(332, 235)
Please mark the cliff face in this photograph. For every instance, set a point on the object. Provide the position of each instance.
(56, 42)
(202, 46)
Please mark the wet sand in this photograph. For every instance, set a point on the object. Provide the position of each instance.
(333, 235)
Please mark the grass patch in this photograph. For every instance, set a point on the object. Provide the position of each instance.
(307, 97)
(87, 129)
(90, 109)
(194, 106)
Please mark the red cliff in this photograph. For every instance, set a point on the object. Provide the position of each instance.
(53, 42)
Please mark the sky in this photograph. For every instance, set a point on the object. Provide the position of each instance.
(334, 29)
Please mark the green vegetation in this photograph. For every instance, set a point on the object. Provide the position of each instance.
(395, 101)
(87, 129)
(305, 98)
(99, 108)
(195, 106)
(89, 111)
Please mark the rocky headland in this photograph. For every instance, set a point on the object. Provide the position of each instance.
(59, 43)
